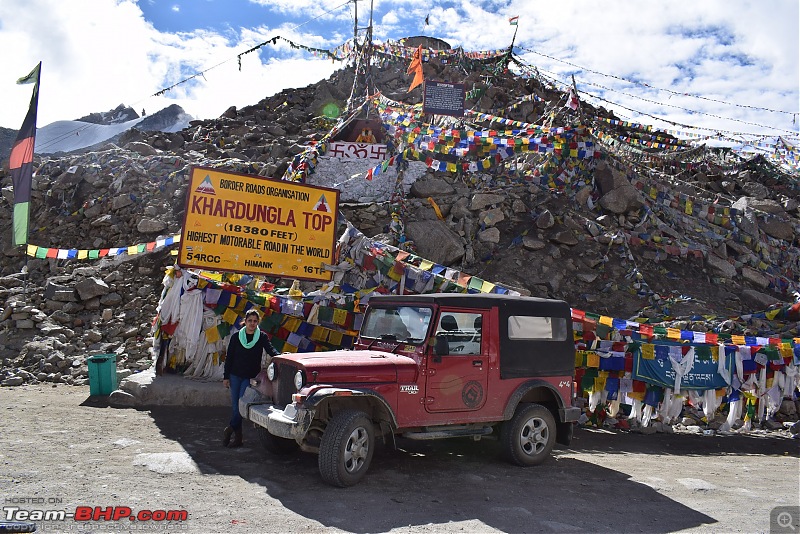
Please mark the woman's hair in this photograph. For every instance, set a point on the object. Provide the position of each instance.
(248, 313)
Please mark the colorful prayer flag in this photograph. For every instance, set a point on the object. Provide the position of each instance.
(21, 162)
(415, 68)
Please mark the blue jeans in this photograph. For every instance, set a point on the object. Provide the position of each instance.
(238, 385)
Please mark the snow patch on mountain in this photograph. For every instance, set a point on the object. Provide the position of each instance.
(67, 136)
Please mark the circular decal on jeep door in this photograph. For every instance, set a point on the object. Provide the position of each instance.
(472, 394)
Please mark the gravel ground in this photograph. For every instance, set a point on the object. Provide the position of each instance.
(63, 450)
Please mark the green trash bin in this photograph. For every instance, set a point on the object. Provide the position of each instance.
(102, 374)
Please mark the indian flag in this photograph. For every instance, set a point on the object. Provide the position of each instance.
(513, 20)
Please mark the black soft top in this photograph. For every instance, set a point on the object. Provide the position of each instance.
(518, 358)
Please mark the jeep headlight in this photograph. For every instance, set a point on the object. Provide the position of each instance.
(271, 372)
(298, 380)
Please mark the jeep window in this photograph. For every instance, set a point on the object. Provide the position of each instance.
(408, 324)
(462, 331)
(538, 328)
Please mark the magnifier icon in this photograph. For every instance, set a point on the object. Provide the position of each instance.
(784, 520)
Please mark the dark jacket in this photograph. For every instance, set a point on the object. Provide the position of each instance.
(246, 363)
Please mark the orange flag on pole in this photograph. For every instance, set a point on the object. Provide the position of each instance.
(415, 68)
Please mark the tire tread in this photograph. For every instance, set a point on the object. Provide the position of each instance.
(509, 435)
(330, 450)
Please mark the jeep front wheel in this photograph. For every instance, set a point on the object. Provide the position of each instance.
(529, 436)
(275, 444)
(345, 451)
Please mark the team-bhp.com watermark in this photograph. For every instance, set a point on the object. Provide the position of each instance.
(32, 510)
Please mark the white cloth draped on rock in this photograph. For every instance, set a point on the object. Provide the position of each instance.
(190, 320)
(203, 365)
(170, 304)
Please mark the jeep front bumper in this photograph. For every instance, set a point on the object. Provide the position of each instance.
(288, 422)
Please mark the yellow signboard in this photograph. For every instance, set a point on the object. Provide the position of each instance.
(250, 224)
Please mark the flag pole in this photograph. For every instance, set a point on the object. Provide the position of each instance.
(513, 39)
(511, 46)
(575, 88)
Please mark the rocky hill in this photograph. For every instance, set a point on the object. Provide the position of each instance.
(119, 114)
(7, 136)
(697, 238)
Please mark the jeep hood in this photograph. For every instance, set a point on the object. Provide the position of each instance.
(348, 366)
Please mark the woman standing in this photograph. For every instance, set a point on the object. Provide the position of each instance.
(243, 362)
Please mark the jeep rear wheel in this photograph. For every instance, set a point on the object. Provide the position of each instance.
(346, 449)
(275, 444)
(529, 436)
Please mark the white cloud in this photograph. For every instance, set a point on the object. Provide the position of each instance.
(308, 8)
(99, 53)
(390, 18)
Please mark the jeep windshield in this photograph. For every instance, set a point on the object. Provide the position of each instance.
(407, 324)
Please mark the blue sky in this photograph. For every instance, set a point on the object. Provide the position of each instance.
(209, 14)
(740, 57)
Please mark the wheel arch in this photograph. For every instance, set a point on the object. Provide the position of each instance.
(329, 401)
(544, 393)
(536, 391)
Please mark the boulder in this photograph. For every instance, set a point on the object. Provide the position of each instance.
(722, 266)
(141, 148)
(481, 201)
(490, 235)
(91, 287)
(622, 199)
(151, 226)
(545, 220)
(436, 241)
(431, 187)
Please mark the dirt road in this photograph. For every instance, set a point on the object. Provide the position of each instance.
(62, 450)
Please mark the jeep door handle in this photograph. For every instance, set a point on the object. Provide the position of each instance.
(477, 363)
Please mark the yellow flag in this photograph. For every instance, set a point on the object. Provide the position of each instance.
(230, 316)
(335, 337)
(599, 383)
(212, 334)
(674, 333)
(320, 333)
(292, 324)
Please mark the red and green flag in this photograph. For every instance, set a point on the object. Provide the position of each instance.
(21, 162)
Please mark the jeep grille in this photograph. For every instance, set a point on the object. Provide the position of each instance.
(284, 385)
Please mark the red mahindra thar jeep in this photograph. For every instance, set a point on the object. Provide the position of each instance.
(426, 367)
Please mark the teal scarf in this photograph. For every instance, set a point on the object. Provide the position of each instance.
(243, 338)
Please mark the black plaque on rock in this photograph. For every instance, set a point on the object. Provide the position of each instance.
(442, 98)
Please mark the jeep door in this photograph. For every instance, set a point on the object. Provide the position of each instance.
(457, 363)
